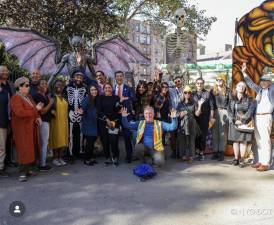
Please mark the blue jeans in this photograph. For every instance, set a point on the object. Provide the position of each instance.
(44, 139)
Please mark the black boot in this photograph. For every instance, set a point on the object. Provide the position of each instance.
(235, 162)
(215, 156)
(221, 156)
(173, 155)
(242, 163)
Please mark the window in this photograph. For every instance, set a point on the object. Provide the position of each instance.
(148, 29)
(143, 39)
(148, 40)
(137, 39)
(145, 71)
(143, 29)
(137, 27)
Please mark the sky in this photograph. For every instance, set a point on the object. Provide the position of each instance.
(226, 11)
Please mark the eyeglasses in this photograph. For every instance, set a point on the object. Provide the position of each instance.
(187, 92)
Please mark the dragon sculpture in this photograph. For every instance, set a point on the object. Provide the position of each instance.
(37, 51)
(256, 30)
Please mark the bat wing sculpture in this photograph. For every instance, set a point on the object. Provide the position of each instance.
(116, 54)
(37, 51)
(33, 50)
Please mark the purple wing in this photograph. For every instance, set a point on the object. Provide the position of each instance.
(115, 54)
(33, 50)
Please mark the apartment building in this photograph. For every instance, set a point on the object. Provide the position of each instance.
(150, 41)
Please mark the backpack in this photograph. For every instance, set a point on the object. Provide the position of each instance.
(144, 171)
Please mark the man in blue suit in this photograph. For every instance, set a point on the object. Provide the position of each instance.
(127, 96)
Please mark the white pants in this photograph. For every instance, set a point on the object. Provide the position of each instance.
(3, 139)
(263, 125)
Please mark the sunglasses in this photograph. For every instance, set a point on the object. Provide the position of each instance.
(24, 85)
(187, 92)
(177, 81)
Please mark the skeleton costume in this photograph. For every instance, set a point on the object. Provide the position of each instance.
(75, 94)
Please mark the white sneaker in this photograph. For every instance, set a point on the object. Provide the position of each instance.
(62, 162)
(56, 162)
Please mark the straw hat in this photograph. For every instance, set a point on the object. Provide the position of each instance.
(187, 88)
(20, 81)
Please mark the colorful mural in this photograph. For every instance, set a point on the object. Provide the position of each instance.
(256, 30)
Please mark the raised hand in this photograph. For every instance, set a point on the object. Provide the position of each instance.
(123, 98)
(201, 101)
(173, 113)
(124, 112)
(244, 67)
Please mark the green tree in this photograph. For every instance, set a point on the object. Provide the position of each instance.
(61, 18)
(161, 11)
(12, 63)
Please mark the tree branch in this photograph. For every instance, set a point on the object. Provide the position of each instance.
(136, 10)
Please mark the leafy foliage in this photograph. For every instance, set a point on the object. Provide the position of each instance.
(12, 63)
(61, 18)
(161, 11)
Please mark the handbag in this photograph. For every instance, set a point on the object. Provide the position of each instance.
(246, 128)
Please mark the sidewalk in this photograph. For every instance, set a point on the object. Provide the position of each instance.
(205, 193)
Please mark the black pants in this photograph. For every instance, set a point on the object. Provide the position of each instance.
(128, 143)
(186, 145)
(89, 146)
(75, 145)
(9, 151)
(201, 139)
(109, 141)
(173, 140)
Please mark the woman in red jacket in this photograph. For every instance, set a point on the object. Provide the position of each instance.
(25, 121)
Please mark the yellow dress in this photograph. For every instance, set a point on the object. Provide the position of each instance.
(59, 130)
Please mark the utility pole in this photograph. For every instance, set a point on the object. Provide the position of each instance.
(236, 35)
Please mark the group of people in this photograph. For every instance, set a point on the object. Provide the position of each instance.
(69, 118)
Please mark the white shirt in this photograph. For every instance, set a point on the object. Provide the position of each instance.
(117, 89)
(264, 106)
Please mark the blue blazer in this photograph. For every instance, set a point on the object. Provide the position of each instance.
(127, 92)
